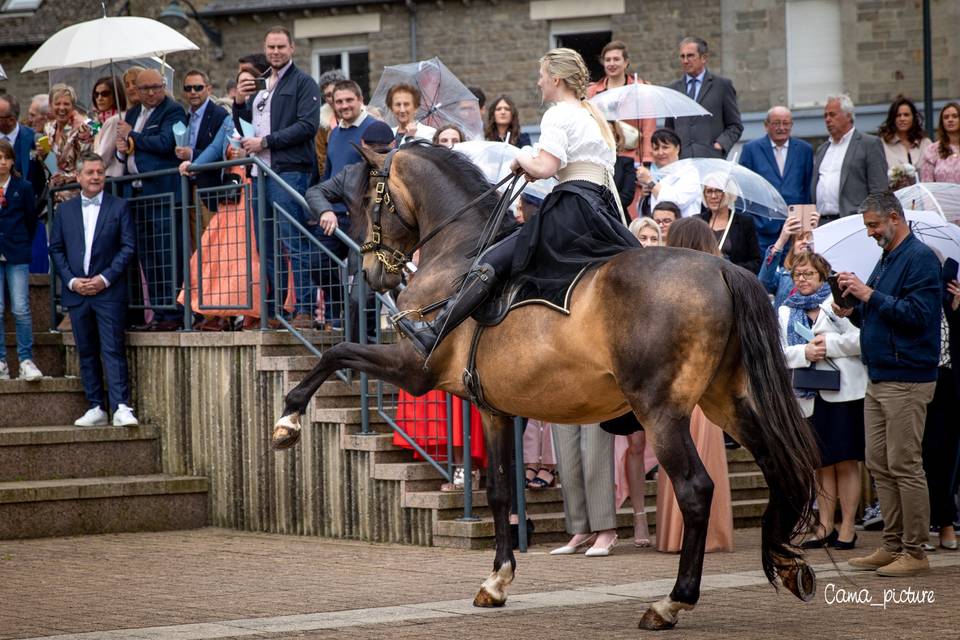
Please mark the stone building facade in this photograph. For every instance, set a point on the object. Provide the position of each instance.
(776, 51)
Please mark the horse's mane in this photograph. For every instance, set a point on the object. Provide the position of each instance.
(452, 164)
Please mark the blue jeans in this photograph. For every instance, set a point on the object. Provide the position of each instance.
(292, 242)
(16, 278)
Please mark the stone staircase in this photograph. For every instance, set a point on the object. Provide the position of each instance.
(57, 479)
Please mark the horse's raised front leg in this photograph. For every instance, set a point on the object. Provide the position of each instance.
(394, 363)
(694, 490)
(499, 435)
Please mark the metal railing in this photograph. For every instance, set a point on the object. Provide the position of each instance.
(163, 267)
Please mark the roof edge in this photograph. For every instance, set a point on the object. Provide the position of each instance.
(320, 4)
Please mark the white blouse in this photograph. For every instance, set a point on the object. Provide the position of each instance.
(570, 133)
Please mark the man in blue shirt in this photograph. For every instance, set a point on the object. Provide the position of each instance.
(898, 312)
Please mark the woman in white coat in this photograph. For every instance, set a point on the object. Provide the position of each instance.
(836, 416)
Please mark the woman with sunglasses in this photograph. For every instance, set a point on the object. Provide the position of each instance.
(107, 104)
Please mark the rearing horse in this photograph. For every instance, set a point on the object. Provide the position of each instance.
(656, 331)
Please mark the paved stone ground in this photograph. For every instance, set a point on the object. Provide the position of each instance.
(214, 583)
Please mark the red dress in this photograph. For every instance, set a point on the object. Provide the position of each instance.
(424, 419)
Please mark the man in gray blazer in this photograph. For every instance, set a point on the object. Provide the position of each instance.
(848, 166)
(705, 136)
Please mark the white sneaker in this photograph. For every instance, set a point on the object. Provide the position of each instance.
(4, 370)
(29, 371)
(123, 417)
(95, 417)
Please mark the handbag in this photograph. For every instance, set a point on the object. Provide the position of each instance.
(813, 379)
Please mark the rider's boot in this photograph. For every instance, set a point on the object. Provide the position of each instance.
(425, 335)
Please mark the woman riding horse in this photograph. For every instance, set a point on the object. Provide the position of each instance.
(579, 224)
(656, 331)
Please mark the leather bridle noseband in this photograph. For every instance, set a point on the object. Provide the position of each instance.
(394, 260)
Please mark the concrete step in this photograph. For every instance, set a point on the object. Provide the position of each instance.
(50, 453)
(43, 402)
(80, 506)
(39, 305)
(47, 353)
(740, 460)
(550, 526)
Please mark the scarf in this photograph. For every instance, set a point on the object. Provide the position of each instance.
(799, 304)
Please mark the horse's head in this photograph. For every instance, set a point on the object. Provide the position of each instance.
(384, 220)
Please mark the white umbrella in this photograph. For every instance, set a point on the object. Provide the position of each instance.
(942, 197)
(847, 247)
(99, 42)
(638, 101)
(754, 194)
(494, 158)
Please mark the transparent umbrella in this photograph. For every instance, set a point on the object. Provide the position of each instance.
(942, 197)
(637, 101)
(754, 194)
(443, 98)
(494, 158)
(847, 247)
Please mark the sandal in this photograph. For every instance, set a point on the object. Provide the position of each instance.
(539, 483)
(641, 534)
(529, 475)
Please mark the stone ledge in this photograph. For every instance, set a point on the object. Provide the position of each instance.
(108, 487)
(17, 436)
(406, 471)
(212, 338)
(43, 385)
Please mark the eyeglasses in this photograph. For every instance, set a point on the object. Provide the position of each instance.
(262, 104)
(664, 222)
(778, 123)
(103, 94)
(150, 88)
(194, 88)
(805, 275)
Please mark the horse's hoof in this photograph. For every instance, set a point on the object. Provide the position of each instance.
(487, 600)
(286, 432)
(801, 580)
(653, 621)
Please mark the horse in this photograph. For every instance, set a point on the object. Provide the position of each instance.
(655, 331)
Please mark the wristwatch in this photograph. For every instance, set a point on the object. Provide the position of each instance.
(264, 143)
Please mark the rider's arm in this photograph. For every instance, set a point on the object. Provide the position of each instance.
(540, 166)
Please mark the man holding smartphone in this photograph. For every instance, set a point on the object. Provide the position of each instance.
(898, 312)
(284, 109)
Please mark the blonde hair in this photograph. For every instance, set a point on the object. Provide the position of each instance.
(567, 65)
(61, 89)
(638, 225)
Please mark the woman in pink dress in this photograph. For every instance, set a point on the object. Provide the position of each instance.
(694, 233)
(941, 162)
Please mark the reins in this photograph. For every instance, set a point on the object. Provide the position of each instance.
(395, 260)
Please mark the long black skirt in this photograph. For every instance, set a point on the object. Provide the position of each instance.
(838, 427)
(577, 227)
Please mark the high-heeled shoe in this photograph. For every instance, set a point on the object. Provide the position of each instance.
(817, 543)
(601, 552)
(570, 549)
(641, 533)
(843, 545)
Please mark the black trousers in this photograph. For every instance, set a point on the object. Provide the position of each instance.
(941, 448)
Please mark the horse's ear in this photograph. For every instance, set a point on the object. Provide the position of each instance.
(373, 158)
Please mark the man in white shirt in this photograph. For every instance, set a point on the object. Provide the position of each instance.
(848, 166)
(91, 245)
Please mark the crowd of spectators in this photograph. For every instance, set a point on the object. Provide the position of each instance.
(891, 337)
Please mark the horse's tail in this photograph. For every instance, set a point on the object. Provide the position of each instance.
(770, 422)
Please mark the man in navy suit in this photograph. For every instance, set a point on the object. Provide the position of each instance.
(23, 139)
(785, 162)
(145, 143)
(205, 118)
(705, 136)
(92, 242)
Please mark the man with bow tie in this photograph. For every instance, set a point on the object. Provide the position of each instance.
(92, 242)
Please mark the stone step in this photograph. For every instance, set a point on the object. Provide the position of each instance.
(740, 460)
(81, 506)
(42, 402)
(39, 305)
(50, 453)
(550, 526)
(47, 353)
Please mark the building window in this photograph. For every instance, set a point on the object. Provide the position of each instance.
(814, 51)
(354, 63)
(586, 36)
(19, 6)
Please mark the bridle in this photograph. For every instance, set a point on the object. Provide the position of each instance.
(395, 260)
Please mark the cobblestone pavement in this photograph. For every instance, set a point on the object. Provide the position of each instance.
(215, 583)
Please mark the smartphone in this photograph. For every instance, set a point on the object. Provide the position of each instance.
(260, 84)
(844, 302)
(803, 212)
